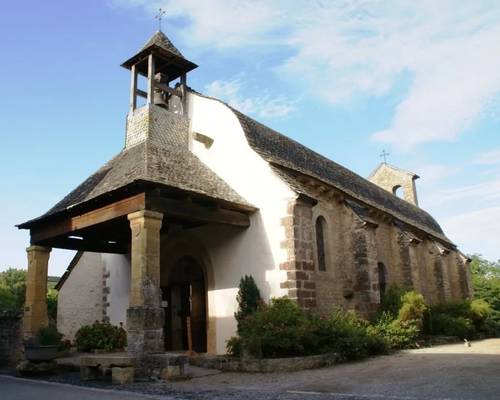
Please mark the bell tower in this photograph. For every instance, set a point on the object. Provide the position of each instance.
(161, 63)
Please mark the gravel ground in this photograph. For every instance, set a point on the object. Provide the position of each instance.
(441, 372)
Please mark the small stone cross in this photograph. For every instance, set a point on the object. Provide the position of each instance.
(384, 155)
(159, 16)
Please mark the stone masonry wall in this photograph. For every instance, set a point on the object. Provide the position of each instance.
(158, 125)
(10, 337)
(299, 247)
(388, 178)
(334, 286)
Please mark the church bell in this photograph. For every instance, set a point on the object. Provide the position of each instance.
(160, 98)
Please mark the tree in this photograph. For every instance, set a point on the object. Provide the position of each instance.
(248, 299)
(486, 280)
(12, 289)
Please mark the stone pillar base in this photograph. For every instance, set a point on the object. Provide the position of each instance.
(145, 330)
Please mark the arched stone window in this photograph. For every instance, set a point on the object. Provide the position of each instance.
(320, 243)
(382, 277)
(398, 191)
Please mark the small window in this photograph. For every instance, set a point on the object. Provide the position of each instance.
(398, 191)
(320, 243)
(382, 278)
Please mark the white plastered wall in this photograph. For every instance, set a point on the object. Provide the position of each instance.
(235, 252)
(118, 281)
(80, 298)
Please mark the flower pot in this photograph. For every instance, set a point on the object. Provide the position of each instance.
(40, 353)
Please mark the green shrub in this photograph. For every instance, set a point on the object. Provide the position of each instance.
(451, 318)
(350, 337)
(391, 299)
(100, 336)
(49, 336)
(398, 334)
(412, 308)
(248, 299)
(234, 346)
(283, 329)
(479, 312)
(52, 295)
(275, 330)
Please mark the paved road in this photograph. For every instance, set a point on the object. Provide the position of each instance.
(25, 389)
(451, 372)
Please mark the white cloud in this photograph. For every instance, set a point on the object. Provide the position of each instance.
(345, 50)
(432, 174)
(477, 232)
(489, 157)
(484, 192)
(265, 106)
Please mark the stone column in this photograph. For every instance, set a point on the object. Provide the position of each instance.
(365, 271)
(35, 309)
(144, 315)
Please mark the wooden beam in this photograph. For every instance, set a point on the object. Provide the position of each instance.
(196, 213)
(94, 217)
(89, 245)
(141, 93)
(151, 78)
(133, 88)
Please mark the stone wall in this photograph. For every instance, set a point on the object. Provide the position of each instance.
(10, 337)
(299, 246)
(354, 246)
(390, 178)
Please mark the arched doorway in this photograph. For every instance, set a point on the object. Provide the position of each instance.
(185, 296)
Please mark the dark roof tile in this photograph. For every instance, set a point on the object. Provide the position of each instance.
(288, 155)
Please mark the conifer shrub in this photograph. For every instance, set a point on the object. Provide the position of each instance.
(248, 299)
(101, 336)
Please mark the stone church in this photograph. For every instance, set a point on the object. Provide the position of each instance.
(201, 195)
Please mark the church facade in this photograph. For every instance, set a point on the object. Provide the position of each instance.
(202, 195)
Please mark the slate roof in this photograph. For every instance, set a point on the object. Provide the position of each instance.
(288, 156)
(173, 167)
(161, 40)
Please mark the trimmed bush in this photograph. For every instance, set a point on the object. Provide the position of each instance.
(100, 336)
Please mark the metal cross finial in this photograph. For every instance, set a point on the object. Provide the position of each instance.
(159, 16)
(384, 155)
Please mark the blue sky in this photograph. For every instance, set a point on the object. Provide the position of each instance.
(348, 79)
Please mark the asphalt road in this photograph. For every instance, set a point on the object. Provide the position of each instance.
(453, 372)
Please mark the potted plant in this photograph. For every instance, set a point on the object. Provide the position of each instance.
(44, 346)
